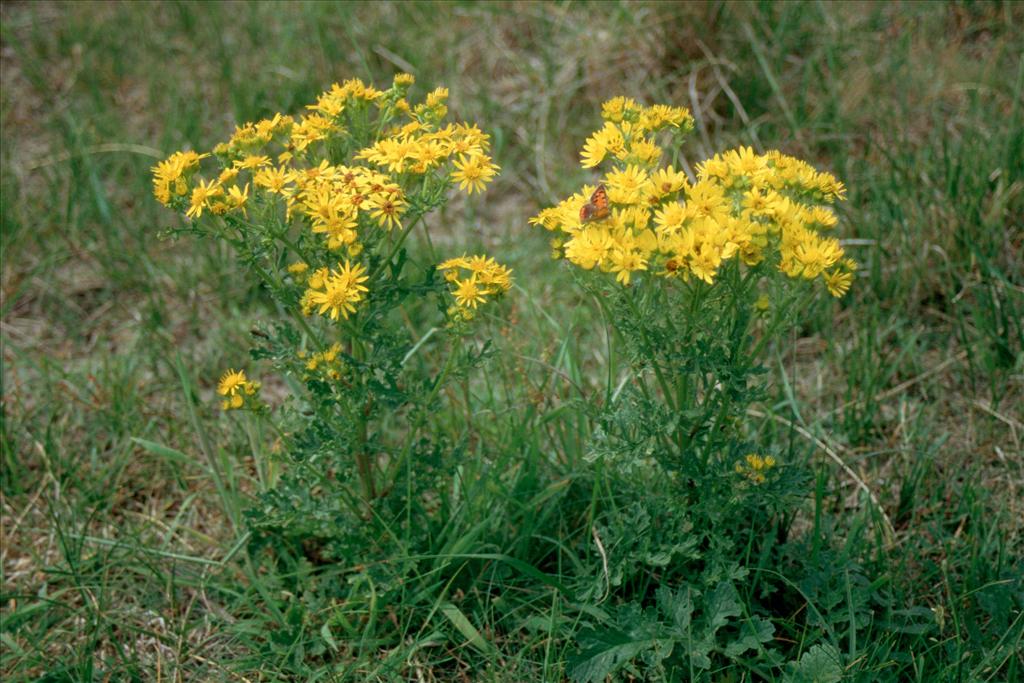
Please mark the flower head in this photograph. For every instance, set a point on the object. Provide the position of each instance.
(473, 172)
(236, 389)
(336, 292)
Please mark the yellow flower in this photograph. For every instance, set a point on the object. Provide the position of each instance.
(486, 278)
(311, 129)
(593, 153)
(387, 209)
(252, 162)
(666, 181)
(618, 108)
(467, 293)
(436, 97)
(341, 290)
(474, 172)
(755, 467)
(237, 198)
(625, 262)
(403, 80)
(201, 196)
(169, 174)
(589, 247)
(340, 230)
(644, 152)
(228, 175)
(325, 207)
(610, 139)
(838, 282)
(670, 218)
(453, 263)
(708, 200)
(234, 387)
(624, 186)
(660, 116)
(814, 255)
(273, 179)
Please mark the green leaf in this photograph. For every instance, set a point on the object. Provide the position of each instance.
(325, 633)
(604, 652)
(463, 625)
(677, 606)
(821, 664)
(752, 634)
(722, 604)
(162, 451)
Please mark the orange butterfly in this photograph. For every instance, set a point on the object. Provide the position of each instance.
(597, 208)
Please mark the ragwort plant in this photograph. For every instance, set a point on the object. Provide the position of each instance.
(319, 208)
(696, 279)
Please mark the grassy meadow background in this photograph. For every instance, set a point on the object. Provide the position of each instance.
(119, 559)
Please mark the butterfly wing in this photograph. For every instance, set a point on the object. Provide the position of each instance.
(597, 208)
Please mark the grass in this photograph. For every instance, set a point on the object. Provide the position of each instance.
(123, 489)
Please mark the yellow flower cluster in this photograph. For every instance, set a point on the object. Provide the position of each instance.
(236, 390)
(473, 279)
(755, 467)
(171, 176)
(419, 147)
(742, 205)
(326, 362)
(284, 162)
(335, 292)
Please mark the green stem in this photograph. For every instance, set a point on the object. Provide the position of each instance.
(669, 399)
(251, 422)
(363, 460)
(396, 247)
(422, 417)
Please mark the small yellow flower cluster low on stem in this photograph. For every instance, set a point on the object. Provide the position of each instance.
(755, 467)
(335, 292)
(644, 216)
(473, 279)
(238, 391)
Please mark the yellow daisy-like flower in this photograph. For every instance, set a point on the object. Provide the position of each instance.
(202, 194)
(486, 278)
(815, 255)
(618, 108)
(403, 80)
(387, 210)
(838, 282)
(589, 248)
(236, 197)
(593, 153)
(644, 152)
(624, 186)
(337, 292)
(666, 181)
(252, 161)
(625, 262)
(273, 179)
(234, 387)
(467, 293)
(473, 172)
